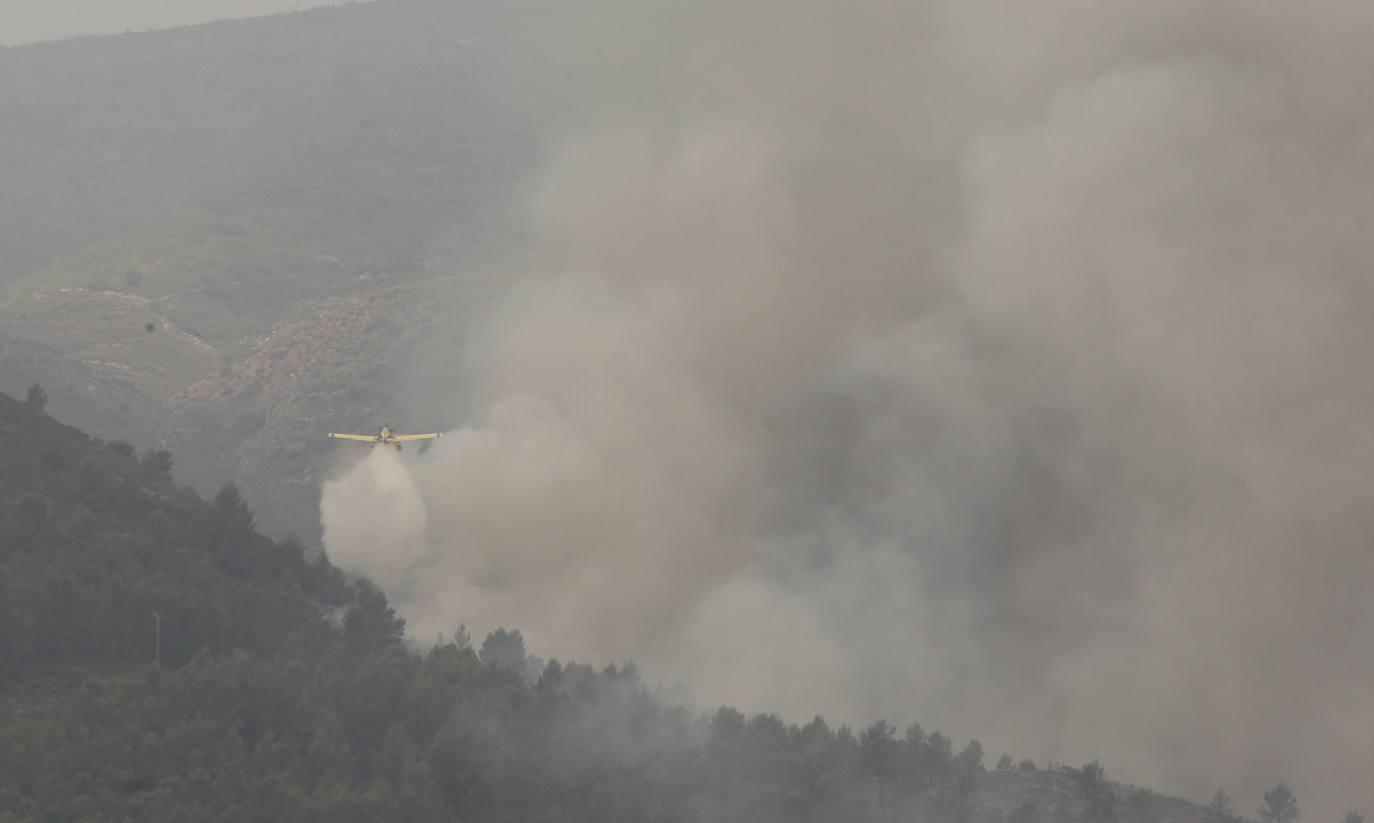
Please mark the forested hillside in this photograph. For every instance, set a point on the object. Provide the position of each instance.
(863, 359)
(162, 660)
(97, 541)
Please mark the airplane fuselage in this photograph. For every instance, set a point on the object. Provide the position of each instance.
(386, 436)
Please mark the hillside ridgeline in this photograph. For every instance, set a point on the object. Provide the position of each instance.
(165, 661)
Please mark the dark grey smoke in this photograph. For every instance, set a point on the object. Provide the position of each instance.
(995, 364)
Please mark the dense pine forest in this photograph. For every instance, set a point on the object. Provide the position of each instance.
(162, 660)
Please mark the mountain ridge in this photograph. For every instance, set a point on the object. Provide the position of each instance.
(222, 181)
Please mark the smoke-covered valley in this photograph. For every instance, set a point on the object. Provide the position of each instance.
(994, 364)
(998, 364)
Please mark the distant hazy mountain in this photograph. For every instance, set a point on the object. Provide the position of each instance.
(210, 236)
(33, 21)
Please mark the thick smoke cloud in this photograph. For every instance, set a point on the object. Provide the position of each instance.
(998, 365)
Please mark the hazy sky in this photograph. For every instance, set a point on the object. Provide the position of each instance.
(29, 21)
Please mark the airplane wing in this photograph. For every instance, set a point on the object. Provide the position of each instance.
(406, 438)
(366, 438)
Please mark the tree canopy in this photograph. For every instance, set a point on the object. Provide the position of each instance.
(285, 692)
(1280, 805)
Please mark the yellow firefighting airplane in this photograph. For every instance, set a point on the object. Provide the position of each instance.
(386, 437)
